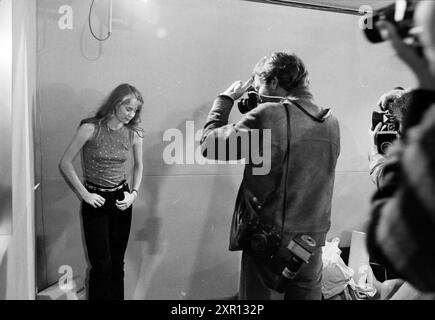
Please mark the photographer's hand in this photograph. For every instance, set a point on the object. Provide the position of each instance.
(419, 65)
(237, 89)
(372, 134)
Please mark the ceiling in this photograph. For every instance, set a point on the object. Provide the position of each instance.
(344, 6)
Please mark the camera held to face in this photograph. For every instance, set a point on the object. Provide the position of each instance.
(251, 102)
(389, 130)
(401, 14)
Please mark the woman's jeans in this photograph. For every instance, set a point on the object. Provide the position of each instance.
(106, 231)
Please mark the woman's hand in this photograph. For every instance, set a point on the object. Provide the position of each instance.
(93, 199)
(126, 202)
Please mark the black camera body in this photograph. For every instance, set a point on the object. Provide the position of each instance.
(389, 130)
(384, 140)
(401, 14)
(251, 102)
(260, 241)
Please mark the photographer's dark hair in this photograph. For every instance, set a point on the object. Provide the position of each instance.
(289, 69)
(119, 95)
(399, 108)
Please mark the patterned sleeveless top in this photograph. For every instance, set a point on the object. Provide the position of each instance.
(105, 154)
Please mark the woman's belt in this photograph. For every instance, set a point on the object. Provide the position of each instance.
(105, 189)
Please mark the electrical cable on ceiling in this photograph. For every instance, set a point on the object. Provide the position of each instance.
(109, 33)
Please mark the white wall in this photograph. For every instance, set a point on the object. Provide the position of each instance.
(180, 55)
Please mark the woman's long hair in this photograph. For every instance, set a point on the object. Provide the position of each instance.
(108, 108)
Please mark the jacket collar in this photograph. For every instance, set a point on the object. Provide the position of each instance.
(301, 93)
(304, 97)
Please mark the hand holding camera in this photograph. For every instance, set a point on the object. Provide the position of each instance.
(236, 92)
(384, 131)
(401, 15)
(237, 89)
(373, 133)
(417, 63)
(397, 23)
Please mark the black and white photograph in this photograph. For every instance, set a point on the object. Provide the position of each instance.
(217, 154)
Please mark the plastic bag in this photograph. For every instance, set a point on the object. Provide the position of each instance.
(336, 274)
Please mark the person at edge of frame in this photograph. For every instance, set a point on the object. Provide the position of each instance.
(403, 212)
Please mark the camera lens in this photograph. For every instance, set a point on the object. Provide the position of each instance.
(308, 240)
(259, 243)
(248, 104)
(243, 107)
(384, 147)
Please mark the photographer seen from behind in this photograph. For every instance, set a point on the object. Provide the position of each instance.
(280, 218)
(403, 212)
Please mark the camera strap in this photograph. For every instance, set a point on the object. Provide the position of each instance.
(287, 158)
(321, 117)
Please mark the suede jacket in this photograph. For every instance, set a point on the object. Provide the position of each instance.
(311, 143)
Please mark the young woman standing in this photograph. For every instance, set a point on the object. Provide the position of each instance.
(106, 141)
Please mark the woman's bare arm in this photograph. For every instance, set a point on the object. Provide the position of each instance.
(83, 134)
